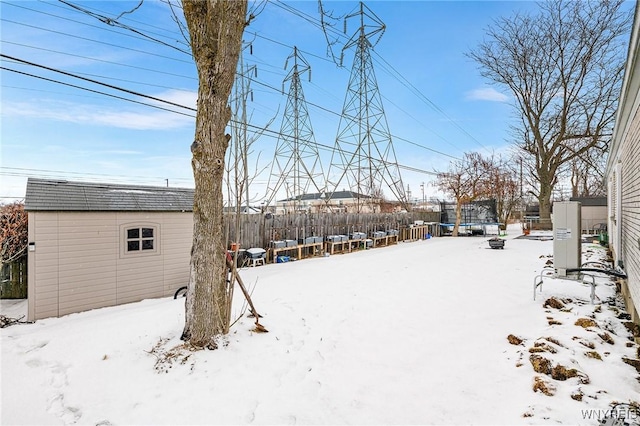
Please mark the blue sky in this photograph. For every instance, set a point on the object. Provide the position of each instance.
(437, 105)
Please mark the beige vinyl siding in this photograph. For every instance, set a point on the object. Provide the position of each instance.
(43, 265)
(80, 262)
(140, 274)
(86, 261)
(177, 238)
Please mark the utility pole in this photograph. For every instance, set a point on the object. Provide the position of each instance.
(521, 195)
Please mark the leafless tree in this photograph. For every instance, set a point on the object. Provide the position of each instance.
(14, 231)
(587, 174)
(564, 67)
(503, 186)
(465, 181)
(215, 30)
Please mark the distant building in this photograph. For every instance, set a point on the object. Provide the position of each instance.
(623, 177)
(336, 202)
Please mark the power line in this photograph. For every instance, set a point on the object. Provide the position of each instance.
(393, 73)
(98, 60)
(420, 95)
(25, 172)
(116, 23)
(101, 28)
(258, 129)
(286, 7)
(111, 86)
(154, 98)
(95, 41)
(96, 91)
(151, 97)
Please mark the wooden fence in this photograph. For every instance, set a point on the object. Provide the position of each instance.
(13, 279)
(257, 230)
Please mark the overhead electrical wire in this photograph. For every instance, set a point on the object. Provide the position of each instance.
(394, 73)
(111, 86)
(286, 7)
(160, 100)
(26, 172)
(319, 25)
(99, 60)
(115, 23)
(96, 41)
(99, 27)
(98, 92)
(265, 131)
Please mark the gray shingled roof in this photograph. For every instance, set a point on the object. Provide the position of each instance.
(62, 195)
(591, 201)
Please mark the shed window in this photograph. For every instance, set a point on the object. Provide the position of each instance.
(140, 239)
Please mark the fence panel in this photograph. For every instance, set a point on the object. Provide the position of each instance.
(13, 279)
(257, 230)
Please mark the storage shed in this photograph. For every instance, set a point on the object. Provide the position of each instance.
(593, 213)
(93, 245)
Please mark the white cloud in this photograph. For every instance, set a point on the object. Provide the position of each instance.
(486, 94)
(181, 97)
(97, 115)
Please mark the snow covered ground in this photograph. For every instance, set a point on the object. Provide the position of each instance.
(415, 333)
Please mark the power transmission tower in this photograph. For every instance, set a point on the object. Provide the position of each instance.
(364, 158)
(296, 164)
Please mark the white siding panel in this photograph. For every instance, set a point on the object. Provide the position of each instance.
(630, 206)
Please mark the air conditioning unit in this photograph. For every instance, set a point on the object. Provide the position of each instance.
(567, 237)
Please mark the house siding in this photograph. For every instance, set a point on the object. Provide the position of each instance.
(78, 262)
(630, 208)
(623, 175)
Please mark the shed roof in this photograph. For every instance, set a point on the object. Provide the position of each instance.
(62, 195)
(590, 201)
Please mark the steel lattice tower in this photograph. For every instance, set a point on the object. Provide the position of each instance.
(364, 159)
(296, 164)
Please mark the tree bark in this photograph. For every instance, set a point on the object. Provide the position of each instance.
(215, 28)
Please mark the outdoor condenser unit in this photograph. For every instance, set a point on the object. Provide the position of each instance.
(567, 236)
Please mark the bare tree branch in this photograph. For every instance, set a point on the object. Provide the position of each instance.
(564, 66)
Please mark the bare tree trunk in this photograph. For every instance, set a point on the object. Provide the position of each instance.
(544, 200)
(456, 225)
(215, 28)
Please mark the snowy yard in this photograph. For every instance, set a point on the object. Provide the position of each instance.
(415, 333)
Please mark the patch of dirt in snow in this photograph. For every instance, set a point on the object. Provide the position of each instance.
(582, 353)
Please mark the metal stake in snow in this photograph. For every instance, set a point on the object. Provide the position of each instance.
(235, 276)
